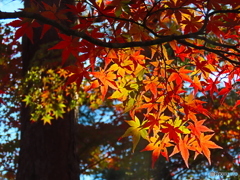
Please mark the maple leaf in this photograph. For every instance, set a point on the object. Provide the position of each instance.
(76, 9)
(175, 129)
(70, 45)
(172, 132)
(58, 110)
(136, 131)
(180, 75)
(78, 72)
(152, 85)
(120, 94)
(149, 106)
(193, 24)
(204, 66)
(28, 99)
(183, 147)
(185, 144)
(119, 6)
(180, 51)
(125, 87)
(53, 12)
(45, 28)
(214, 25)
(198, 127)
(25, 27)
(212, 86)
(194, 105)
(129, 105)
(137, 58)
(225, 90)
(196, 84)
(47, 119)
(153, 120)
(107, 79)
(206, 144)
(159, 147)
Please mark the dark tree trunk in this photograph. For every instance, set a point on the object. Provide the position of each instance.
(162, 171)
(47, 152)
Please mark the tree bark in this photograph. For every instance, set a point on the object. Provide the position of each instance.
(47, 152)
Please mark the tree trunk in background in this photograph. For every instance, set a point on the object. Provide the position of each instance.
(47, 152)
(163, 169)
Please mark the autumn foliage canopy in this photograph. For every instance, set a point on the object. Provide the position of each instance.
(152, 59)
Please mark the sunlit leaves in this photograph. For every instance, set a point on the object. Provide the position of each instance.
(183, 148)
(197, 128)
(206, 144)
(136, 131)
(158, 147)
(75, 74)
(180, 76)
(200, 145)
(106, 80)
(172, 131)
(46, 96)
(164, 87)
(47, 119)
(152, 85)
(193, 24)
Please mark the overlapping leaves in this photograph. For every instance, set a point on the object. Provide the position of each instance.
(159, 86)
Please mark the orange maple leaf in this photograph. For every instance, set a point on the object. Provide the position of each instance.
(206, 144)
(107, 79)
(198, 127)
(185, 144)
(152, 85)
(180, 75)
(159, 147)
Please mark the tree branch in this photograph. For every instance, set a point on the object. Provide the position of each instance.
(218, 44)
(216, 12)
(179, 38)
(217, 52)
(71, 32)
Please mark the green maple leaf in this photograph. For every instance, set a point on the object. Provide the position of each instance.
(47, 119)
(136, 131)
(27, 99)
(59, 110)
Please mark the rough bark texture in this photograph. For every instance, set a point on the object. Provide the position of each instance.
(47, 152)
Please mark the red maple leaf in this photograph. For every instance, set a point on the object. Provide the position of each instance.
(172, 131)
(78, 73)
(70, 45)
(25, 27)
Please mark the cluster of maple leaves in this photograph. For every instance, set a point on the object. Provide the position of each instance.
(157, 58)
